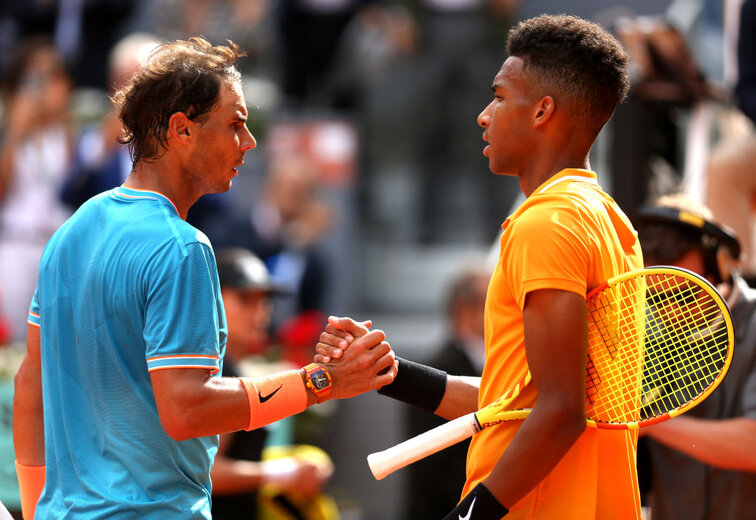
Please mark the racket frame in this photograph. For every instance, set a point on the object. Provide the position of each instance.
(387, 461)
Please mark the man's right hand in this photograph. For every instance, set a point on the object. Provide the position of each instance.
(367, 364)
(338, 335)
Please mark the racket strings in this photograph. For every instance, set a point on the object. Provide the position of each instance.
(655, 343)
(614, 375)
(685, 360)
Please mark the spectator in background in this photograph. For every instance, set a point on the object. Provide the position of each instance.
(238, 472)
(35, 152)
(702, 465)
(284, 228)
(101, 162)
(310, 33)
(462, 353)
(731, 172)
(745, 89)
(461, 42)
(645, 133)
(246, 22)
(83, 31)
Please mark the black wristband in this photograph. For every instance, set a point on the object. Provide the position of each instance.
(417, 384)
(479, 504)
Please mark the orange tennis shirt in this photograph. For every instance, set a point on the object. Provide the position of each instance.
(567, 235)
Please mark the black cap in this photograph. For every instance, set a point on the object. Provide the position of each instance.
(241, 269)
(719, 233)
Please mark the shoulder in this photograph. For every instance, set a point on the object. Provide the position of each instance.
(188, 234)
(181, 243)
(551, 214)
(161, 242)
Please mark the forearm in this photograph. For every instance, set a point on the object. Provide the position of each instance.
(540, 443)
(460, 397)
(192, 404)
(28, 418)
(232, 476)
(220, 405)
(727, 444)
(550, 318)
(28, 422)
(433, 390)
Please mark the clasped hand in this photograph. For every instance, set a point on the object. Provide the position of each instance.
(358, 359)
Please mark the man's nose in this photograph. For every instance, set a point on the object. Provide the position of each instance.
(484, 118)
(249, 141)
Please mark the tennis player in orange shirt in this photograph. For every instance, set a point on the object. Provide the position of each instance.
(560, 84)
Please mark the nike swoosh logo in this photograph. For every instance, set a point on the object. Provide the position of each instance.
(265, 398)
(469, 511)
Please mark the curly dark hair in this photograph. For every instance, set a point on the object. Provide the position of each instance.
(180, 76)
(575, 58)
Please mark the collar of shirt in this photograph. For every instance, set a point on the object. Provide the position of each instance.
(568, 174)
(133, 194)
(564, 176)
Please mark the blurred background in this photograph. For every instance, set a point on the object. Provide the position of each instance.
(368, 193)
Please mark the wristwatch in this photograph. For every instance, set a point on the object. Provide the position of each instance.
(318, 381)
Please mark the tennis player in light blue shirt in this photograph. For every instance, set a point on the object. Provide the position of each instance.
(126, 287)
(118, 400)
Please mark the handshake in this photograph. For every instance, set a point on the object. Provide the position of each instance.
(358, 360)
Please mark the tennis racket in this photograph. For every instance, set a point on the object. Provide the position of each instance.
(660, 340)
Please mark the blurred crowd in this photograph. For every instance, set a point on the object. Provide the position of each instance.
(365, 111)
(348, 96)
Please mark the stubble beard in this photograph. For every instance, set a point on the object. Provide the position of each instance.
(201, 183)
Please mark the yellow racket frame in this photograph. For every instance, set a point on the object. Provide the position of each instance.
(617, 324)
(497, 412)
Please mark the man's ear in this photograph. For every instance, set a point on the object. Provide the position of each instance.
(180, 128)
(543, 111)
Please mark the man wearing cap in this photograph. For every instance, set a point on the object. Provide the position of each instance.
(702, 465)
(237, 473)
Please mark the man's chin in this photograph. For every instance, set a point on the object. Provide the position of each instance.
(502, 172)
(222, 188)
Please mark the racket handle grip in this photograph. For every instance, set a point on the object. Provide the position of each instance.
(385, 462)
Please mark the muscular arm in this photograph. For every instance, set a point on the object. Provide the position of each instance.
(555, 342)
(192, 403)
(727, 444)
(28, 421)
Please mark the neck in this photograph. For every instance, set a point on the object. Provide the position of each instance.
(544, 167)
(158, 176)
